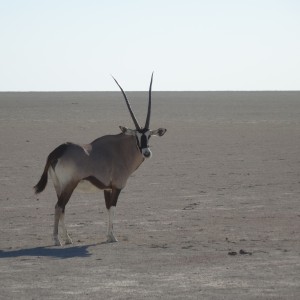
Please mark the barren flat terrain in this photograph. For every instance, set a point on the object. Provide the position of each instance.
(214, 214)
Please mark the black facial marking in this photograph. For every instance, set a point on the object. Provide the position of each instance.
(144, 141)
(138, 144)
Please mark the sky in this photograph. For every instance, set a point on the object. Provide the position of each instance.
(191, 45)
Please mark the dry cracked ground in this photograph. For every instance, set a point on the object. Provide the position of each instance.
(215, 214)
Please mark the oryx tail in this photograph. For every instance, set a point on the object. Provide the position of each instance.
(52, 158)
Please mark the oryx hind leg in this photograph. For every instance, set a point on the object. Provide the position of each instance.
(111, 198)
(65, 234)
(57, 214)
(59, 218)
(64, 186)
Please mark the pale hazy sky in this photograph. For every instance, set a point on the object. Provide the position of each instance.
(64, 45)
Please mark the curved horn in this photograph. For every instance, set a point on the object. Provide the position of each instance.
(137, 126)
(149, 105)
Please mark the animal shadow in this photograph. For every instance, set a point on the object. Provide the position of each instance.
(62, 253)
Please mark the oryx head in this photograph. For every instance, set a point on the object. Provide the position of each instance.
(142, 134)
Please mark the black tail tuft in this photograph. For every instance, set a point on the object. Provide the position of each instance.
(41, 184)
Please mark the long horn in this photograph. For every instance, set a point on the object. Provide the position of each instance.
(149, 105)
(137, 126)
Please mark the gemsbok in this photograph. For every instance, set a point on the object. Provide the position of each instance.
(106, 163)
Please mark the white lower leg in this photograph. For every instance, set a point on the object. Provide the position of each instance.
(66, 236)
(58, 212)
(110, 234)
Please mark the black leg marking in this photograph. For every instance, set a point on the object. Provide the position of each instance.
(111, 197)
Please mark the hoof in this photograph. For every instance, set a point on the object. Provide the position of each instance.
(57, 242)
(111, 239)
(68, 241)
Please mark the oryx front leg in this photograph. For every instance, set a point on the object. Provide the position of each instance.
(111, 198)
(110, 229)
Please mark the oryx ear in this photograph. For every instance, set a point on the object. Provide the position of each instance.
(158, 132)
(127, 131)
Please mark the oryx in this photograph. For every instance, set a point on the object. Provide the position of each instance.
(106, 163)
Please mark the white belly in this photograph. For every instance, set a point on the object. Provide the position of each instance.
(85, 186)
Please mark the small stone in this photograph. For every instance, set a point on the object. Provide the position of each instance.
(243, 252)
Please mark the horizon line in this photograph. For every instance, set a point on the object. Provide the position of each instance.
(139, 91)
